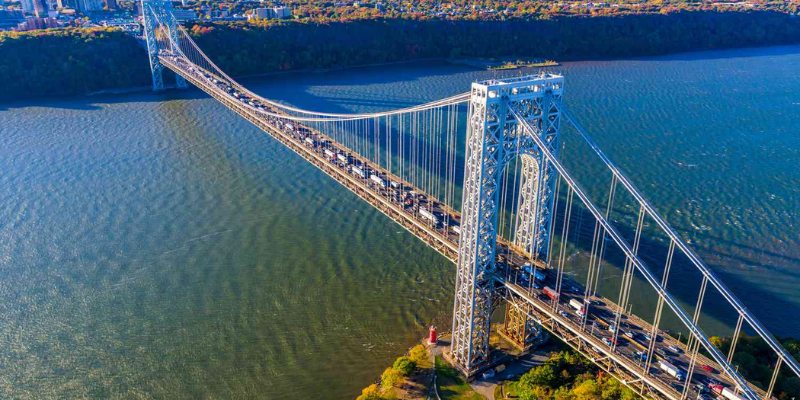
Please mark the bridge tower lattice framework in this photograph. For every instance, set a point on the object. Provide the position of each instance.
(155, 14)
(493, 139)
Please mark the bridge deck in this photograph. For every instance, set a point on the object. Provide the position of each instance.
(394, 202)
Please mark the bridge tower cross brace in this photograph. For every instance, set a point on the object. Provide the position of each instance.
(493, 139)
(155, 13)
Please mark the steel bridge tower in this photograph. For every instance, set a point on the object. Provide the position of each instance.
(493, 139)
(155, 14)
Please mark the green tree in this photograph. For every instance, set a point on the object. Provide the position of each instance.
(563, 393)
(389, 378)
(543, 375)
(418, 354)
(371, 392)
(404, 365)
(587, 390)
(534, 393)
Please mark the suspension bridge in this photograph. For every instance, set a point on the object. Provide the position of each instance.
(481, 177)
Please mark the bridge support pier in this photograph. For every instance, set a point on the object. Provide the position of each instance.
(493, 139)
(518, 328)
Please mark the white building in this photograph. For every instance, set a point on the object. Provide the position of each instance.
(269, 13)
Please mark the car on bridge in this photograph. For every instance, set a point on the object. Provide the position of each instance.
(708, 368)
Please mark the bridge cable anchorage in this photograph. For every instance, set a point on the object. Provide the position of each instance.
(737, 305)
(740, 382)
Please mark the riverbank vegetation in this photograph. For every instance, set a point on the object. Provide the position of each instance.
(80, 61)
(291, 45)
(408, 377)
(412, 377)
(756, 361)
(497, 10)
(567, 375)
(69, 61)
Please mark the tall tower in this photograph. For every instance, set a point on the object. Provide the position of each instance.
(493, 139)
(158, 13)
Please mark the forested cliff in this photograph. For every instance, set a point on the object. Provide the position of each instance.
(75, 61)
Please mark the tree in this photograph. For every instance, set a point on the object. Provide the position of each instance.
(390, 378)
(543, 375)
(404, 365)
(370, 392)
(587, 390)
(418, 354)
(535, 393)
(563, 393)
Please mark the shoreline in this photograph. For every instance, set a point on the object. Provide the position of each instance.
(475, 63)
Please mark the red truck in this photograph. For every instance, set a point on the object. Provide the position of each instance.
(550, 293)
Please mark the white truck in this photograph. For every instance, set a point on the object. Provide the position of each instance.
(378, 180)
(428, 215)
(672, 370)
(579, 306)
(358, 171)
(724, 392)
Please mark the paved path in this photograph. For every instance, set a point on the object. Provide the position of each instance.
(514, 369)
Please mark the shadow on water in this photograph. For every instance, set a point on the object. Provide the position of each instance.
(331, 93)
(286, 83)
(96, 101)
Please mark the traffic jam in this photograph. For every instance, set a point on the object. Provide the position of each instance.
(631, 339)
(423, 208)
(671, 362)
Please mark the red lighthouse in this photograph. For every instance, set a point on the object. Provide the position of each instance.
(432, 335)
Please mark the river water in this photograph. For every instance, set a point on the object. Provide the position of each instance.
(158, 246)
